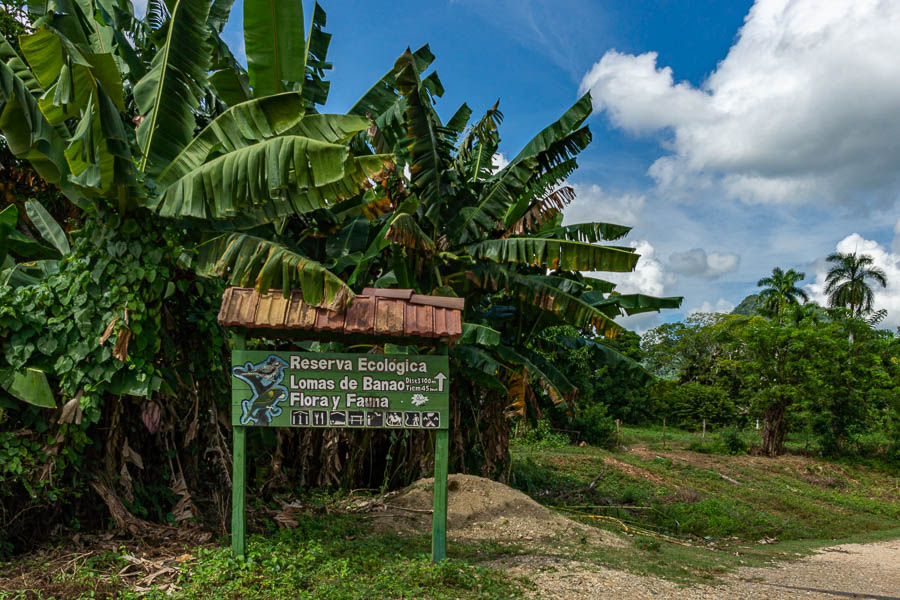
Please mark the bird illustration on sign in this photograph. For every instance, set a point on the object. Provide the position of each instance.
(265, 383)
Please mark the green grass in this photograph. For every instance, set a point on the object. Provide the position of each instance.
(661, 489)
(685, 522)
(334, 556)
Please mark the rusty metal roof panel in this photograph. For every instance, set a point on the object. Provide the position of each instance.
(442, 301)
(388, 293)
(271, 310)
(419, 320)
(329, 320)
(447, 323)
(241, 308)
(360, 317)
(300, 315)
(389, 317)
(379, 312)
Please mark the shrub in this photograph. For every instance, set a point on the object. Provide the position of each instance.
(541, 435)
(596, 426)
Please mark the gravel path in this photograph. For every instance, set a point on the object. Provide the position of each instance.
(868, 571)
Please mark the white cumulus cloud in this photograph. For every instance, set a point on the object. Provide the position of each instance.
(889, 261)
(700, 263)
(594, 204)
(804, 107)
(649, 276)
(720, 306)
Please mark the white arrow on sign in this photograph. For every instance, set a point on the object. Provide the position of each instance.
(440, 377)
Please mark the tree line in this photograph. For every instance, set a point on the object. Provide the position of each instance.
(779, 362)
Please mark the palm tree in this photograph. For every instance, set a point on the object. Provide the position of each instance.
(780, 290)
(846, 282)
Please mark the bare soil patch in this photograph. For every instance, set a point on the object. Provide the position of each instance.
(632, 470)
(479, 509)
(854, 570)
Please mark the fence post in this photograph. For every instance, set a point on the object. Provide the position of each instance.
(618, 435)
(703, 435)
(664, 433)
(238, 479)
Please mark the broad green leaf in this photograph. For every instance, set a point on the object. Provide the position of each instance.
(47, 226)
(587, 232)
(29, 385)
(274, 44)
(473, 333)
(269, 265)
(219, 13)
(28, 133)
(555, 254)
(315, 88)
(383, 94)
(170, 92)
(9, 56)
(632, 304)
(227, 76)
(276, 177)
(9, 216)
(544, 295)
(238, 127)
(507, 193)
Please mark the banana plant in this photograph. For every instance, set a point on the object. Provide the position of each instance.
(443, 220)
(156, 114)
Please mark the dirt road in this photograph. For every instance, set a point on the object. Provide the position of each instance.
(867, 571)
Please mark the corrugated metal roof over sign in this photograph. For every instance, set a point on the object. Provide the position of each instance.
(377, 312)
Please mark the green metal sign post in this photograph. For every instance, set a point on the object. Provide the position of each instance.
(355, 391)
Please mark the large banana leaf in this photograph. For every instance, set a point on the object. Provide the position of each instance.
(315, 88)
(383, 94)
(274, 178)
(219, 12)
(432, 145)
(545, 295)
(28, 385)
(406, 232)
(587, 232)
(473, 333)
(266, 264)
(28, 133)
(238, 127)
(170, 92)
(47, 226)
(274, 43)
(9, 216)
(9, 56)
(557, 386)
(228, 77)
(632, 304)
(555, 254)
(479, 366)
(554, 145)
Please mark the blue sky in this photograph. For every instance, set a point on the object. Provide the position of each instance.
(735, 136)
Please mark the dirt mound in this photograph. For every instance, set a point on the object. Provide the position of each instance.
(479, 509)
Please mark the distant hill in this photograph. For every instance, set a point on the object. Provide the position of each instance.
(749, 306)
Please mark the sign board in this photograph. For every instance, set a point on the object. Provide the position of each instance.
(303, 389)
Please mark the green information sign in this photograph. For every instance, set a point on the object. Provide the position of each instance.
(301, 389)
